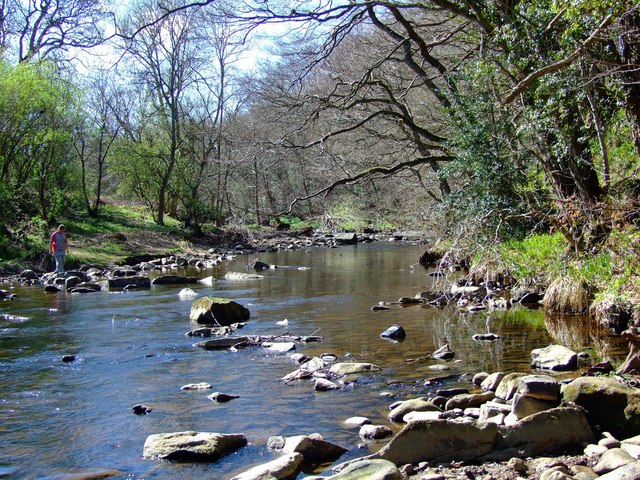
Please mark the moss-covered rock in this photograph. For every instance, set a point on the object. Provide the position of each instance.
(218, 311)
(610, 405)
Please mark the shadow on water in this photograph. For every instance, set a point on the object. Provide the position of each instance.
(60, 418)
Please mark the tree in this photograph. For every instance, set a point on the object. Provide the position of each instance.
(37, 109)
(93, 138)
(167, 62)
(40, 28)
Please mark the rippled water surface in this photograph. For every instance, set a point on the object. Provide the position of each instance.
(60, 418)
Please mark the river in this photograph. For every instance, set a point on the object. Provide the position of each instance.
(59, 418)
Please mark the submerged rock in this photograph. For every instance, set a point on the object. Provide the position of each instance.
(221, 397)
(173, 280)
(140, 409)
(196, 386)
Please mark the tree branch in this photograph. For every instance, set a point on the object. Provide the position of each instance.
(367, 173)
(554, 67)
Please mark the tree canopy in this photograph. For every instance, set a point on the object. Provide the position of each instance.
(487, 117)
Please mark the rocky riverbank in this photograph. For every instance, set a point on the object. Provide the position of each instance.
(509, 425)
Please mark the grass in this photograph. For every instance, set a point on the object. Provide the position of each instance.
(535, 259)
(611, 274)
(114, 218)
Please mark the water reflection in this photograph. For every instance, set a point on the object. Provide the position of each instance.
(131, 348)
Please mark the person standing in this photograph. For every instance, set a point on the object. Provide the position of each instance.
(59, 247)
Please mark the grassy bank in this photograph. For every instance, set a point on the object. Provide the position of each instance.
(118, 232)
(611, 274)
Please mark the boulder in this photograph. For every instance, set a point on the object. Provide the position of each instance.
(509, 386)
(470, 400)
(612, 460)
(554, 357)
(368, 469)
(346, 368)
(492, 381)
(345, 238)
(414, 405)
(547, 432)
(192, 446)
(630, 471)
(416, 416)
(218, 311)
(610, 406)
(72, 282)
(283, 468)
(279, 347)
(173, 280)
(324, 385)
(375, 431)
(357, 421)
(28, 275)
(439, 441)
(540, 387)
(524, 406)
(312, 447)
(444, 353)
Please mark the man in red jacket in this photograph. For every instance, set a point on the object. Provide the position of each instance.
(59, 247)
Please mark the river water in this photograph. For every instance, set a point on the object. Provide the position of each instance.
(58, 419)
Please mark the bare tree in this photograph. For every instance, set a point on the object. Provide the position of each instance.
(94, 137)
(40, 28)
(167, 60)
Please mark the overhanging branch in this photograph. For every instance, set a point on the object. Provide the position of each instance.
(367, 173)
(554, 67)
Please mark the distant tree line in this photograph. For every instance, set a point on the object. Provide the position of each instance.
(485, 118)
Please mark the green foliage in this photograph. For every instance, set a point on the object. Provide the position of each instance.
(534, 259)
(494, 180)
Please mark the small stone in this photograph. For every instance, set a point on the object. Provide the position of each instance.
(140, 409)
(357, 421)
(68, 358)
(324, 385)
(221, 397)
(375, 431)
(518, 464)
(479, 377)
(196, 386)
(593, 450)
(444, 353)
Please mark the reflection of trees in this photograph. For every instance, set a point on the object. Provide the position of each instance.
(581, 332)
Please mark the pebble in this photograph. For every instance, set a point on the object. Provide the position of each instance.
(196, 386)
